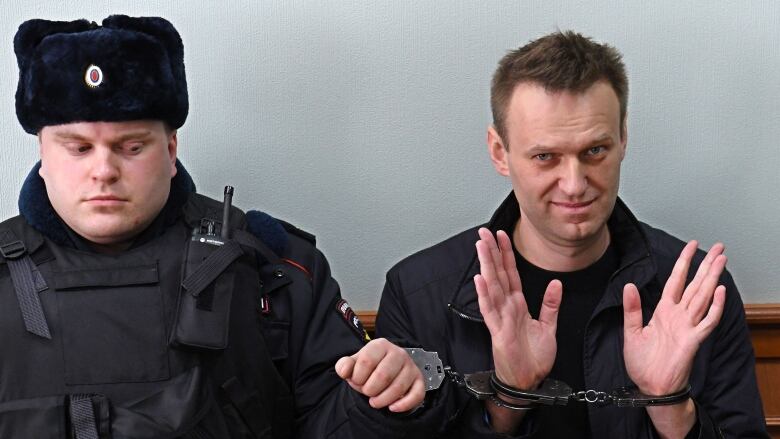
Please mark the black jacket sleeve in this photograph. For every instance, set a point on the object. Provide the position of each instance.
(326, 406)
(454, 413)
(728, 404)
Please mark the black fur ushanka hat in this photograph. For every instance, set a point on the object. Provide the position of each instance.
(76, 71)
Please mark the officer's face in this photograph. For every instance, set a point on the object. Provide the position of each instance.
(108, 180)
(563, 158)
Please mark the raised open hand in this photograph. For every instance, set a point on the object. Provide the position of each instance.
(659, 356)
(523, 348)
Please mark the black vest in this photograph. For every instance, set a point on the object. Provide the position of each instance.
(161, 341)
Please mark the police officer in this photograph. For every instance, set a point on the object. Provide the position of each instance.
(131, 306)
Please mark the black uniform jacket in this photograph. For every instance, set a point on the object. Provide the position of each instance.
(430, 298)
(306, 325)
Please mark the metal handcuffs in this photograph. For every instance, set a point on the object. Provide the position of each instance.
(487, 386)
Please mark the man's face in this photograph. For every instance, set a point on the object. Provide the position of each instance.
(563, 158)
(108, 180)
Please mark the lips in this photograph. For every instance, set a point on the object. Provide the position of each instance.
(105, 200)
(574, 208)
(573, 205)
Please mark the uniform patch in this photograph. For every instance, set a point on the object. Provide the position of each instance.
(351, 319)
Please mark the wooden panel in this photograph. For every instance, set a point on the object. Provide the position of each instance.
(764, 323)
(762, 313)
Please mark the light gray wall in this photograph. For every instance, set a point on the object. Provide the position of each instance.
(364, 121)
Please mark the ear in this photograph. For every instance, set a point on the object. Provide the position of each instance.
(40, 152)
(173, 144)
(498, 151)
(623, 138)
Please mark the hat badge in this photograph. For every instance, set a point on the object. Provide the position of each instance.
(93, 76)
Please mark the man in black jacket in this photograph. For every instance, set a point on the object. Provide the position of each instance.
(605, 300)
(132, 307)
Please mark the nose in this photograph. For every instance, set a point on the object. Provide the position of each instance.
(105, 168)
(573, 180)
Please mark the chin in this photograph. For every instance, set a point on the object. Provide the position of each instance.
(580, 232)
(106, 234)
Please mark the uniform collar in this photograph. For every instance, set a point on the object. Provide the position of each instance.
(36, 209)
(629, 239)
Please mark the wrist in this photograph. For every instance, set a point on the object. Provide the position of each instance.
(661, 390)
(673, 421)
(521, 383)
(501, 419)
(505, 402)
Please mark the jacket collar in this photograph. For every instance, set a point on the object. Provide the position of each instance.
(36, 209)
(627, 235)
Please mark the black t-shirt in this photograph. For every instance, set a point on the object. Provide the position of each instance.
(582, 291)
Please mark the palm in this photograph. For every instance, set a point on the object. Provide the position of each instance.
(523, 348)
(666, 341)
(659, 356)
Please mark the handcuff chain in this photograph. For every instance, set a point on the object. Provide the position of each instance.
(592, 397)
(454, 376)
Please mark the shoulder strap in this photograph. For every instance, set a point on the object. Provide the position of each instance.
(27, 281)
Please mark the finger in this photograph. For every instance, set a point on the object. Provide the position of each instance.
(710, 321)
(357, 388)
(502, 253)
(701, 273)
(367, 359)
(700, 300)
(488, 271)
(495, 256)
(397, 389)
(413, 398)
(673, 289)
(489, 239)
(385, 373)
(551, 304)
(510, 265)
(486, 306)
(344, 367)
(632, 311)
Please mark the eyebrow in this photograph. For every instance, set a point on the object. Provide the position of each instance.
(66, 135)
(539, 148)
(133, 135)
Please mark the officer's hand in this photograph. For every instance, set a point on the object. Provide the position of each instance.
(386, 374)
(523, 348)
(659, 356)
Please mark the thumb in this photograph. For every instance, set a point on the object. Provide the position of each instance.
(344, 367)
(632, 310)
(551, 303)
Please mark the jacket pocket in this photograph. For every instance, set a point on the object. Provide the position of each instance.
(113, 327)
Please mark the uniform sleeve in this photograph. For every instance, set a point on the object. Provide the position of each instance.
(326, 406)
(730, 402)
(453, 412)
